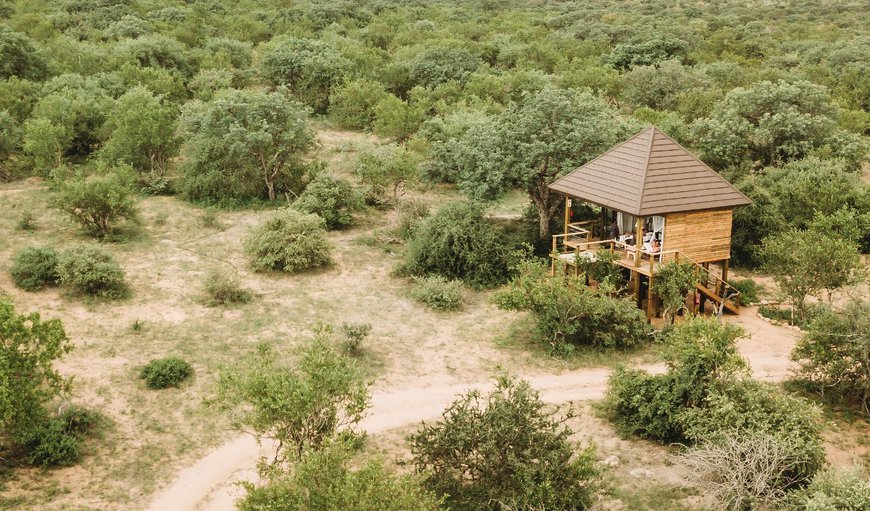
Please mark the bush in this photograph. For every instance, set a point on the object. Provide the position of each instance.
(98, 202)
(438, 293)
(754, 408)
(385, 172)
(354, 335)
(87, 269)
(411, 213)
(353, 104)
(27, 222)
(673, 283)
(748, 289)
(568, 312)
(706, 395)
(224, 288)
(457, 242)
(833, 355)
(51, 445)
(34, 268)
(330, 479)
(162, 373)
(333, 199)
(832, 490)
(309, 68)
(504, 451)
(290, 242)
(743, 472)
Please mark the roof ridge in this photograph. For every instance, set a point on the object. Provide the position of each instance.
(652, 135)
(690, 153)
(603, 154)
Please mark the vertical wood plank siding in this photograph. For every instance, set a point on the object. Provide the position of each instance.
(704, 236)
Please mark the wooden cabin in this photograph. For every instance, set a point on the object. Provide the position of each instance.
(659, 203)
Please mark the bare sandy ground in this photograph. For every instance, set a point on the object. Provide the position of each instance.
(210, 483)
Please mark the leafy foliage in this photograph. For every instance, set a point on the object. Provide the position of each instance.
(307, 67)
(34, 268)
(438, 293)
(673, 281)
(330, 480)
(567, 311)
(289, 241)
(19, 57)
(833, 355)
(385, 172)
(29, 346)
(98, 202)
(806, 263)
(224, 288)
(834, 490)
(504, 451)
(302, 407)
(457, 242)
(353, 103)
(244, 145)
(748, 290)
(333, 199)
(162, 373)
(89, 270)
(142, 132)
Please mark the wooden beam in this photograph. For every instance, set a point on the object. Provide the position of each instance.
(567, 212)
(638, 240)
(649, 299)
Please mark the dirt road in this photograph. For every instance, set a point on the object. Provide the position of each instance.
(209, 484)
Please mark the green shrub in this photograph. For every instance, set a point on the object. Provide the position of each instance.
(457, 242)
(504, 451)
(833, 355)
(27, 221)
(750, 407)
(354, 335)
(224, 288)
(89, 270)
(290, 241)
(162, 373)
(34, 268)
(98, 202)
(353, 104)
(672, 283)
(438, 293)
(643, 405)
(333, 199)
(411, 213)
(385, 172)
(835, 490)
(748, 289)
(567, 312)
(331, 479)
(52, 445)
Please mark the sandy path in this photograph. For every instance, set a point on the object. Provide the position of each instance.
(209, 484)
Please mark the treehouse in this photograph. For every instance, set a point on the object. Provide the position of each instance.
(659, 203)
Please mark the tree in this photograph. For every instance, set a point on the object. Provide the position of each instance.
(19, 57)
(243, 145)
(659, 86)
(774, 123)
(533, 143)
(301, 407)
(98, 202)
(567, 311)
(436, 65)
(398, 119)
(805, 264)
(308, 68)
(672, 283)
(29, 346)
(10, 138)
(331, 480)
(385, 171)
(647, 52)
(141, 132)
(833, 354)
(504, 451)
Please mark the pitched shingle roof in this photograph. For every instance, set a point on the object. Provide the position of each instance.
(650, 174)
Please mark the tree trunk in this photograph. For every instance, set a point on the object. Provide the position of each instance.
(545, 214)
(270, 188)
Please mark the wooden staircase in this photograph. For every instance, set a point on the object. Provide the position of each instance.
(712, 287)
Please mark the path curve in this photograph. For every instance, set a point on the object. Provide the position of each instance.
(210, 483)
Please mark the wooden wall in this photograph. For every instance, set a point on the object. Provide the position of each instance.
(704, 236)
